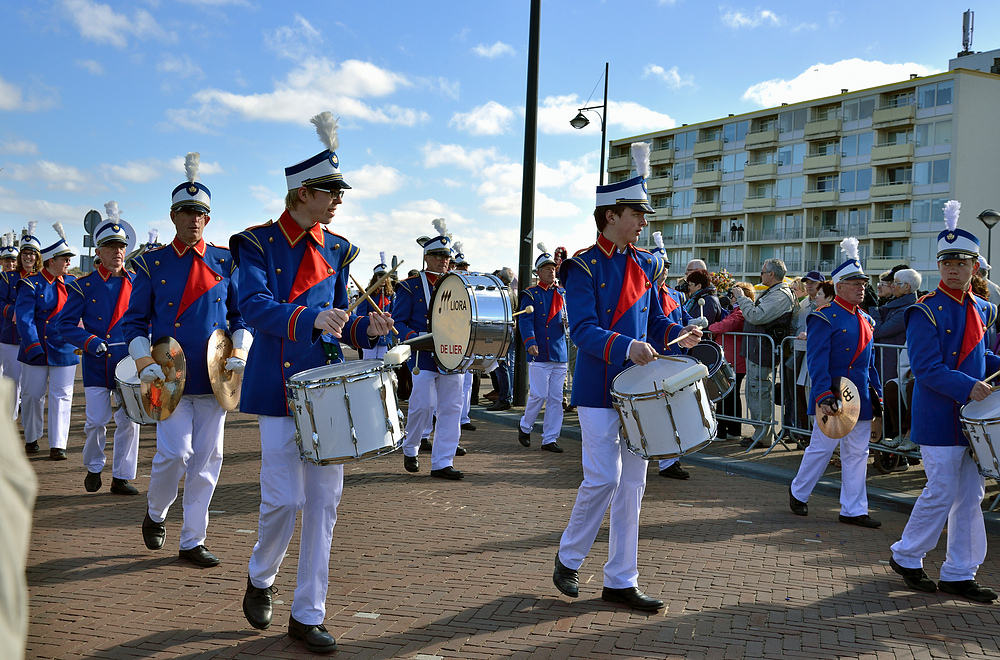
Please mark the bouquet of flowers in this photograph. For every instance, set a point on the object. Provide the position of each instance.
(722, 281)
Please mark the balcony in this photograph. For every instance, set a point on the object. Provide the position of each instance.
(823, 266)
(620, 162)
(663, 212)
(878, 263)
(659, 184)
(820, 163)
(887, 154)
(660, 156)
(823, 129)
(707, 178)
(820, 196)
(679, 239)
(751, 203)
(704, 208)
(837, 231)
(893, 116)
(713, 237)
(761, 139)
(760, 171)
(775, 235)
(707, 148)
(889, 227)
(891, 190)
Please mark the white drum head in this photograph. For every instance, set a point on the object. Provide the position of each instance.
(451, 321)
(647, 378)
(126, 373)
(986, 410)
(331, 371)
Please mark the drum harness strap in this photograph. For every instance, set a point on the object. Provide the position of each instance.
(427, 299)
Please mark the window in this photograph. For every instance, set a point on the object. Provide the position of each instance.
(662, 143)
(849, 146)
(826, 148)
(865, 143)
(847, 180)
(729, 133)
(936, 133)
(892, 212)
(864, 180)
(685, 141)
(899, 99)
(930, 96)
(826, 112)
(866, 107)
(741, 130)
(941, 171)
(899, 174)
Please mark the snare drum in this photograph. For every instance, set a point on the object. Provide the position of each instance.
(721, 378)
(130, 391)
(345, 412)
(981, 425)
(664, 409)
(471, 321)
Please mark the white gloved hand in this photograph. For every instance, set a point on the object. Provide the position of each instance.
(236, 365)
(101, 349)
(701, 322)
(151, 373)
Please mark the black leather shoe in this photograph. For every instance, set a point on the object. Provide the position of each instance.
(552, 447)
(315, 638)
(499, 405)
(675, 471)
(123, 487)
(447, 473)
(92, 482)
(460, 451)
(632, 597)
(57, 454)
(523, 438)
(798, 508)
(915, 578)
(968, 589)
(747, 442)
(861, 521)
(567, 580)
(411, 463)
(468, 426)
(257, 605)
(31, 447)
(425, 444)
(199, 556)
(153, 533)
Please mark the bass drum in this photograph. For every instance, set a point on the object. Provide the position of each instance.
(471, 322)
(721, 378)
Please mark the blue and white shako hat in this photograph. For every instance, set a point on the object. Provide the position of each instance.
(322, 170)
(850, 269)
(382, 267)
(114, 229)
(544, 258)
(631, 192)
(458, 254)
(7, 249)
(955, 243)
(191, 193)
(29, 241)
(440, 244)
(60, 248)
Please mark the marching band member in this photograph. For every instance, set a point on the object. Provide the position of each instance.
(383, 296)
(544, 334)
(100, 300)
(10, 342)
(8, 264)
(293, 277)
(430, 386)
(471, 382)
(185, 290)
(840, 346)
(946, 341)
(47, 361)
(612, 312)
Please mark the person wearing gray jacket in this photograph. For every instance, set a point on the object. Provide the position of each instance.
(772, 309)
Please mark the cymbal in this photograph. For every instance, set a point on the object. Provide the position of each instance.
(226, 385)
(841, 423)
(161, 397)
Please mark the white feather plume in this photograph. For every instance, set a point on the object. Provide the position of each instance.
(459, 247)
(326, 128)
(4, 241)
(111, 210)
(658, 239)
(640, 156)
(154, 234)
(951, 210)
(440, 226)
(849, 246)
(191, 164)
(59, 230)
(541, 246)
(381, 257)
(32, 227)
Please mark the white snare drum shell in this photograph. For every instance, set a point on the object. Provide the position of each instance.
(130, 392)
(471, 321)
(981, 424)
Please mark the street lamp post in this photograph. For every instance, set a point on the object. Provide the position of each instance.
(581, 121)
(990, 218)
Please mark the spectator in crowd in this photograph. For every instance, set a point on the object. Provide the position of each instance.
(700, 288)
(732, 232)
(732, 404)
(695, 264)
(893, 363)
(984, 273)
(795, 374)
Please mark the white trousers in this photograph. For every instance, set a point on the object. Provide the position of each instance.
(287, 485)
(188, 445)
(57, 382)
(376, 353)
(446, 389)
(12, 370)
(466, 398)
(953, 494)
(545, 386)
(612, 476)
(125, 451)
(853, 467)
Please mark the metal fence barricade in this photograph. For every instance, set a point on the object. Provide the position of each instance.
(756, 402)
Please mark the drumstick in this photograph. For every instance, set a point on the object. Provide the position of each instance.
(526, 310)
(374, 304)
(989, 378)
(374, 287)
(684, 336)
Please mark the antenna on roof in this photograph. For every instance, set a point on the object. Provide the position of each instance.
(967, 21)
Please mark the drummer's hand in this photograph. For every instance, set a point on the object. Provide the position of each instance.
(802, 335)
(641, 353)
(980, 391)
(532, 350)
(379, 325)
(693, 339)
(151, 373)
(830, 406)
(101, 349)
(332, 321)
(236, 365)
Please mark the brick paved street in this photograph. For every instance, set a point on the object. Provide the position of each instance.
(424, 568)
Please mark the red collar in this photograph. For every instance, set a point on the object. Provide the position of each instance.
(105, 273)
(954, 294)
(49, 277)
(182, 248)
(606, 245)
(23, 272)
(294, 233)
(846, 305)
(545, 287)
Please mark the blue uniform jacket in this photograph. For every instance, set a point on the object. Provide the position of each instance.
(365, 308)
(8, 296)
(100, 300)
(409, 312)
(840, 345)
(611, 302)
(287, 276)
(946, 360)
(37, 302)
(544, 326)
(672, 303)
(176, 295)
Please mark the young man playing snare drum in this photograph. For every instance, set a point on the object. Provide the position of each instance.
(289, 272)
(613, 311)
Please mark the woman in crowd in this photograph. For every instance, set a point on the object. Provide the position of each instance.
(732, 405)
(700, 288)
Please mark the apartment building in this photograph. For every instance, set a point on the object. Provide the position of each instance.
(877, 164)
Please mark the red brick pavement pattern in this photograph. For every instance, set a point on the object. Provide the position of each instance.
(424, 568)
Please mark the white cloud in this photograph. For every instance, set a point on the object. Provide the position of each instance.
(13, 98)
(217, 3)
(294, 41)
(736, 19)
(19, 148)
(555, 112)
(23, 209)
(134, 171)
(488, 119)
(181, 67)
(55, 176)
(822, 80)
(273, 203)
(493, 51)
(669, 76)
(436, 155)
(91, 66)
(372, 181)
(100, 23)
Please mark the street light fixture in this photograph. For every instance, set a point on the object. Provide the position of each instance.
(990, 218)
(580, 121)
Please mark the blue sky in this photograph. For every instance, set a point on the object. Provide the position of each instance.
(100, 101)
